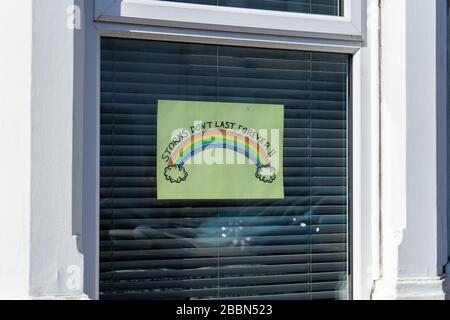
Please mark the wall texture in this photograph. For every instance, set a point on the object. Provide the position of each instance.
(15, 141)
(414, 201)
(55, 262)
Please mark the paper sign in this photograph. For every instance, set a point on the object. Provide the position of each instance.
(214, 151)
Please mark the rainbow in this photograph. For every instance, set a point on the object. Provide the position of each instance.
(220, 139)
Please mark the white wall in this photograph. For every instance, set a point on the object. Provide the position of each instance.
(41, 102)
(413, 122)
(15, 142)
(56, 263)
(365, 160)
(39, 92)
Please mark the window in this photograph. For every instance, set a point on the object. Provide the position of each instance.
(327, 7)
(229, 18)
(296, 248)
(149, 51)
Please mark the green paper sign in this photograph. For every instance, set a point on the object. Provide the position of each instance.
(215, 151)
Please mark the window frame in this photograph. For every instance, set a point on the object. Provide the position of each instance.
(350, 26)
(364, 245)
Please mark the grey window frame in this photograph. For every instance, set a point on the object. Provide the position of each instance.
(349, 26)
(364, 105)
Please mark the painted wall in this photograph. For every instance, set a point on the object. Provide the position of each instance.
(420, 241)
(41, 92)
(15, 142)
(56, 263)
(414, 171)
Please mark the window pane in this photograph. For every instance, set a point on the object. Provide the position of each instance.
(326, 7)
(295, 248)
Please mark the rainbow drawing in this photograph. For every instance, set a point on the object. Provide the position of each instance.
(220, 139)
(176, 172)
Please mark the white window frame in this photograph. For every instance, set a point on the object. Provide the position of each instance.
(136, 19)
(350, 26)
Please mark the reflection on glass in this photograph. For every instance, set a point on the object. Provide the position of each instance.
(296, 248)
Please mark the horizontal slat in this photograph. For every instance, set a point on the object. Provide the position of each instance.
(184, 232)
(321, 117)
(230, 67)
(223, 252)
(168, 243)
(212, 282)
(322, 214)
(325, 282)
(203, 262)
(327, 254)
(324, 271)
(133, 171)
(318, 182)
(110, 79)
(239, 291)
(205, 240)
(300, 193)
(297, 214)
(228, 94)
(329, 295)
(210, 222)
(323, 133)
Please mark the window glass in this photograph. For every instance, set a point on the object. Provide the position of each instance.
(326, 7)
(295, 248)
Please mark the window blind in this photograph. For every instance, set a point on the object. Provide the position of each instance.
(325, 7)
(296, 248)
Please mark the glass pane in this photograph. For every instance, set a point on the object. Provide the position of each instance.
(326, 7)
(295, 248)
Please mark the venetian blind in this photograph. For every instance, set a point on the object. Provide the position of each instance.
(296, 248)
